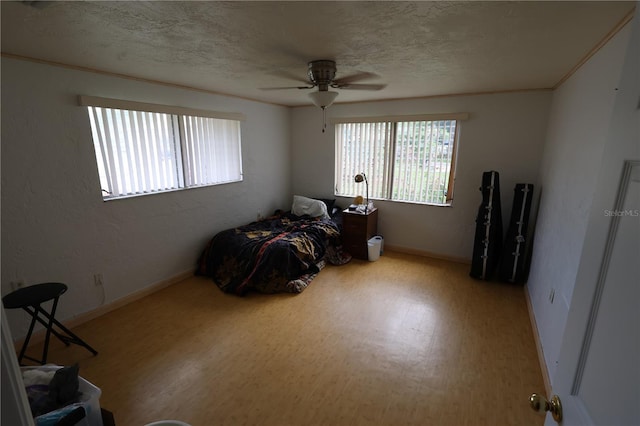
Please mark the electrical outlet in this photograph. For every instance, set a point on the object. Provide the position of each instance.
(97, 280)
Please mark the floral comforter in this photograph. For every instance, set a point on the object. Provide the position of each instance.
(280, 254)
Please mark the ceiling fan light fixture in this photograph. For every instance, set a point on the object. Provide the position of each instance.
(323, 99)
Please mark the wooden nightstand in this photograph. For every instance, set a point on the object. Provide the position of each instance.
(357, 229)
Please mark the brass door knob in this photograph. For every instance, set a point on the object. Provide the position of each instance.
(540, 404)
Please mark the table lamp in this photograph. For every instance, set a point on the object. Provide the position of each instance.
(361, 177)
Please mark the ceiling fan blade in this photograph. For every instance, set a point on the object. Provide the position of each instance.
(287, 87)
(360, 86)
(291, 76)
(355, 77)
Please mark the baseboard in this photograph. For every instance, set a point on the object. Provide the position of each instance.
(536, 338)
(38, 336)
(423, 253)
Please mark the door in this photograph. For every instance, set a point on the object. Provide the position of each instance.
(599, 383)
(604, 387)
(598, 372)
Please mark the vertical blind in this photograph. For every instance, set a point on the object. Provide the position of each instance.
(363, 147)
(211, 154)
(140, 152)
(423, 160)
(403, 160)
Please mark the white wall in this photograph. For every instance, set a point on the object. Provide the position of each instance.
(505, 132)
(576, 142)
(55, 226)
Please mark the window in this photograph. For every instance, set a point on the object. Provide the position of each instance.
(409, 159)
(143, 149)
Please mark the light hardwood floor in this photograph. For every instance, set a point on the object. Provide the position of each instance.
(405, 340)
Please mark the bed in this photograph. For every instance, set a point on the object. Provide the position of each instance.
(282, 253)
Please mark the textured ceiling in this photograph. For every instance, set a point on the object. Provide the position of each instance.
(237, 48)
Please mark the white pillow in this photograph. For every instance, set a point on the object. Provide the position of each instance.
(303, 205)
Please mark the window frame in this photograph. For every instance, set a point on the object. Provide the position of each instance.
(391, 146)
(178, 117)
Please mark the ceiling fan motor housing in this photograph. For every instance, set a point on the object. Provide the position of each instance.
(322, 73)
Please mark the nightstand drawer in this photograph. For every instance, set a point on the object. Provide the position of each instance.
(355, 229)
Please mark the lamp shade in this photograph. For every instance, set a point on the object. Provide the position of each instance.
(323, 99)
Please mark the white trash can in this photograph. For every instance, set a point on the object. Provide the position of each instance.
(379, 237)
(374, 245)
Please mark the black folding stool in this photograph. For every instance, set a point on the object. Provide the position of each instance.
(29, 298)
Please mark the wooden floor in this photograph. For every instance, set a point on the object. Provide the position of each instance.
(405, 340)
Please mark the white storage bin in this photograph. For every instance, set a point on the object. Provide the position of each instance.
(89, 398)
(374, 249)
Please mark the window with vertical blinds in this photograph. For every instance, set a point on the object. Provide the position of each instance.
(411, 161)
(211, 150)
(142, 152)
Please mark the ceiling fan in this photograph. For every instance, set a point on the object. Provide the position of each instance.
(321, 74)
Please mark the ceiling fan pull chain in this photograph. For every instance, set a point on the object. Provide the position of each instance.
(324, 119)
